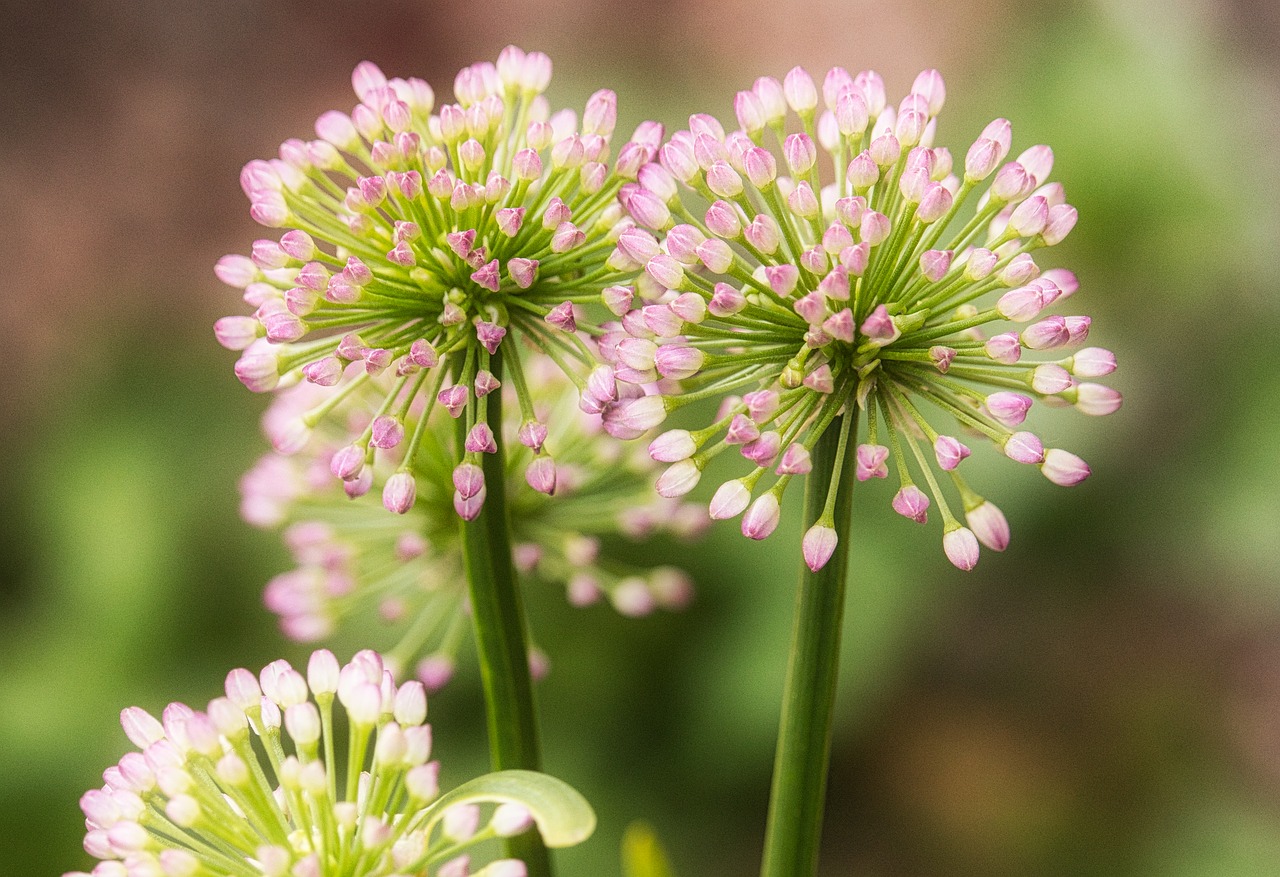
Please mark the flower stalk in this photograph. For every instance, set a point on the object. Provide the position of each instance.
(796, 800)
(497, 614)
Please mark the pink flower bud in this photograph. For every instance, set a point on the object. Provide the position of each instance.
(1092, 362)
(871, 462)
(949, 452)
(989, 525)
(1097, 400)
(911, 502)
(762, 517)
(541, 475)
(818, 546)
(1008, 409)
(1004, 348)
(795, 461)
(678, 479)
(961, 547)
(1050, 379)
(678, 363)
(799, 90)
(1024, 447)
(1046, 334)
(1064, 468)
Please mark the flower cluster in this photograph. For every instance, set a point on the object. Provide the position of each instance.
(873, 294)
(251, 787)
(356, 560)
(416, 242)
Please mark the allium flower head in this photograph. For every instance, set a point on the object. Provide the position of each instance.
(251, 786)
(417, 244)
(356, 560)
(845, 261)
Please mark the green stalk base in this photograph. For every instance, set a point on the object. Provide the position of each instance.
(797, 797)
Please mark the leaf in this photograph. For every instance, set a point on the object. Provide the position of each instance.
(642, 853)
(563, 816)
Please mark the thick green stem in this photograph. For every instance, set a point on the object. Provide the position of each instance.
(797, 797)
(498, 619)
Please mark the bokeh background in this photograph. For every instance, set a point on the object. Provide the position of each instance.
(1103, 699)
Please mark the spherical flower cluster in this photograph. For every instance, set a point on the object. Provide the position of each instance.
(355, 560)
(875, 294)
(415, 242)
(250, 786)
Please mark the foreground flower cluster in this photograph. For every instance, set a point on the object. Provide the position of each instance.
(417, 242)
(877, 295)
(251, 786)
(356, 560)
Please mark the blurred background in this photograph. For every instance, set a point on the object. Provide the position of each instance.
(1103, 699)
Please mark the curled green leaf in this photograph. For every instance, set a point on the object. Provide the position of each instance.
(563, 816)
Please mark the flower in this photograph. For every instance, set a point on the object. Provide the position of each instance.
(203, 798)
(876, 291)
(416, 243)
(355, 560)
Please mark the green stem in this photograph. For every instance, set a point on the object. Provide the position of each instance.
(498, 618)
(797, 797)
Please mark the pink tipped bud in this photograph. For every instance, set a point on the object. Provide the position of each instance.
(871, 462)
(1021, 305)
(480, 440)
(795, 461)
(801, 153)
(1092, 362)
(729, 500)
(762, 517)
(879, 327)
(236, 333)
(679, 478)
(874, 228)
(454, 399)
(961, 548)
(388, 431)
(633, 418)
(259, 372)
(468, 479)
(761, 169)
(1004, 348)
(935, 202)
(490, 335)
(949, 452)
(399, 493)
(726, 301)
(1064, 468)
(1050, 379)
(818, 546)
(1024, 447)
(468, 507)
(1097, 400)
(1061, 220)
(673, 446)
(1008, 409)
(561, 316)
(1046, 334)
(677, 362)
(749, 111)
(799, 90)
(981, 160)
(934, 264)
(911, 502)
(989, 525)
(541, 475)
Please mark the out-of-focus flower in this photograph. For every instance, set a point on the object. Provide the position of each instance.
(876, 290)
(251, 786)
(354, 559)
(417, 242)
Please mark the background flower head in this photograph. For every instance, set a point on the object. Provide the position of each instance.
(356, 559)
(834, 265)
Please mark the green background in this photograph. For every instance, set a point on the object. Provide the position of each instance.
(1103, 699)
